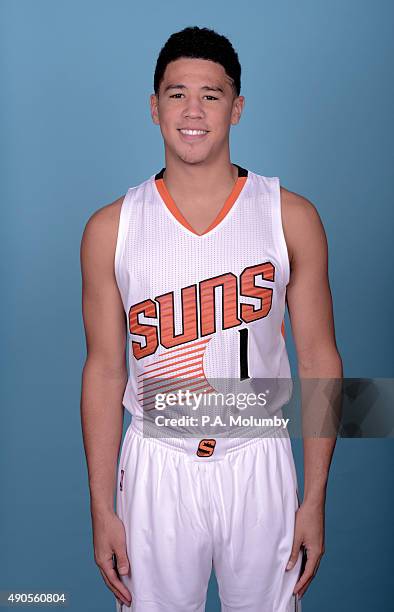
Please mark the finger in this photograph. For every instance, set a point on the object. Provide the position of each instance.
(306, 586)
(295, 551)
(304, 589)
(117, 584)
(115, 591)
(308, 572)
(114, 580)
(122, 561)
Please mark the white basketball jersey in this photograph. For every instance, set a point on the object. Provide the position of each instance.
(207, 307)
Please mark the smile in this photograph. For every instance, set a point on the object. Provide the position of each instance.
(193, 134)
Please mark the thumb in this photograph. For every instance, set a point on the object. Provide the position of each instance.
(122, 562)
(294, 554)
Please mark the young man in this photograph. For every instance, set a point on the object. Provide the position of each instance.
(196, 254)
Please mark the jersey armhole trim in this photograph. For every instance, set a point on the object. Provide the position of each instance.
(281, 235)
(121, 237)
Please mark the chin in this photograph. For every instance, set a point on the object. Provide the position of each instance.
(192, 157)
(193, 161)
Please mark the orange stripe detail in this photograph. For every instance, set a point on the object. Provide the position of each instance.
(159, 380)
(172, 207)
(192, 345)
(181, 352)
(188, 359)
(176, 359)
(186, 367)
(164, 368)
(162, 381)
(197, 373)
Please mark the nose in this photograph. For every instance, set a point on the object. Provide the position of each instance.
(193, 107)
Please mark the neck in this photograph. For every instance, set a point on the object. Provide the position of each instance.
(199, 181)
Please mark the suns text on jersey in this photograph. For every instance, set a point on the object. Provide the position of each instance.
(199, 309)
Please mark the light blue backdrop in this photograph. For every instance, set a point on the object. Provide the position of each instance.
(75, 133)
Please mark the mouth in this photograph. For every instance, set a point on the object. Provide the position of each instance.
(192, 135)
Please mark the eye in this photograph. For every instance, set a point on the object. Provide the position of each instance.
(176, 96)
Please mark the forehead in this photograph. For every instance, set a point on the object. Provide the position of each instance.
(196, 72)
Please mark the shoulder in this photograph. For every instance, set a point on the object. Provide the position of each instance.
(101, 230)
(301, 221)
(297, 208)
(105, 220)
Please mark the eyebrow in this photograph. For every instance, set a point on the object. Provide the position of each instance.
(204, 87)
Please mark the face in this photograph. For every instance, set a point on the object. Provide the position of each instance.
(196, 94)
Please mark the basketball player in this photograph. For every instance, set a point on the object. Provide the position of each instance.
(189, 258)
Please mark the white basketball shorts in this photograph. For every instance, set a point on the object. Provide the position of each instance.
(184, 514)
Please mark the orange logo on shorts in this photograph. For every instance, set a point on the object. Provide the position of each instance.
(206, 448)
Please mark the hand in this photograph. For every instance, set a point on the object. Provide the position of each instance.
(309, 533)
(108, 538)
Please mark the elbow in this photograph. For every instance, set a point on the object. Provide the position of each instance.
(103, 370)
(320, 363)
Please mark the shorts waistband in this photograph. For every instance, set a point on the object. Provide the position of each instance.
(206, 448)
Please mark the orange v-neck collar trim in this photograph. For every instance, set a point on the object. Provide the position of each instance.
(174, 210)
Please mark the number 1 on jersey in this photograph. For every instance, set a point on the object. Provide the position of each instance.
(243, 353)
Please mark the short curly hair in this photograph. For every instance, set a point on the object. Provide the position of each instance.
(201, 43)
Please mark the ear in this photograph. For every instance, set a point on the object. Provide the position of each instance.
(154, 108)
(238, 105)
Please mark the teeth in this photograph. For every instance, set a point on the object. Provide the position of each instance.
(193, 132)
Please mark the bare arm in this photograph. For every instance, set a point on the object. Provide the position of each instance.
(103, 383)
(311, 314)
(104, 373)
